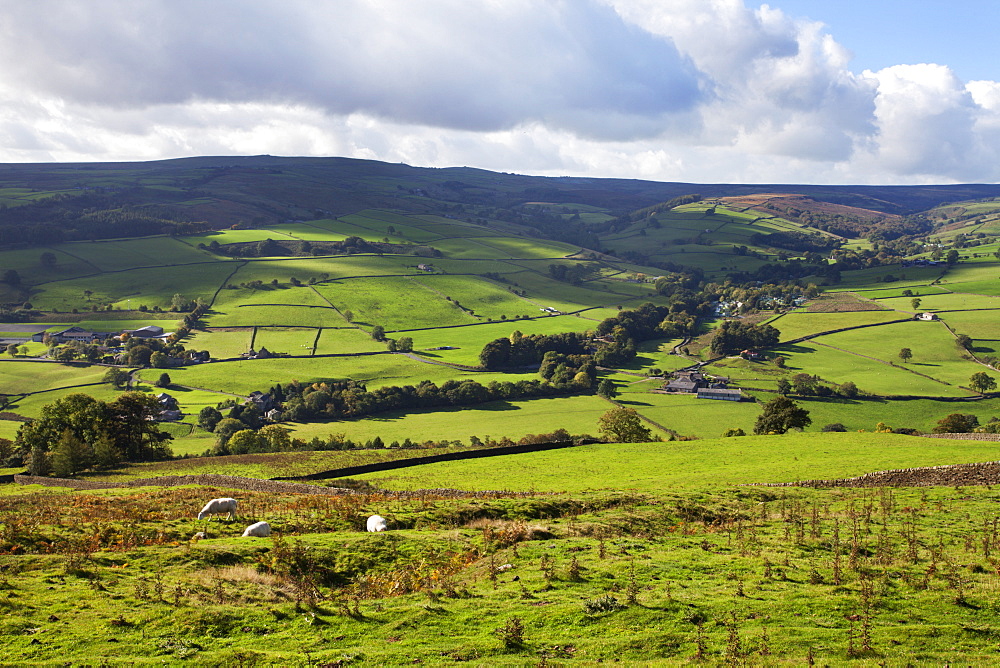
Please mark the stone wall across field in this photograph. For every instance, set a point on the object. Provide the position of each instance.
(966, 437)
(985, 473)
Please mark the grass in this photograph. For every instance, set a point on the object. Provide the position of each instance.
(394, 303)
(798, 324)
(934, 350)
(132, 288)
(946, 302)
(839, 366)
(221, 344)
(121, 254)
(692, 465)
(17, 377)
(243, 376)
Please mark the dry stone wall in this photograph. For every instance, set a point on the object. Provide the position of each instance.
(986, 473)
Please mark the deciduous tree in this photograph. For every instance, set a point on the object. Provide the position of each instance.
(779, 415)
(982, 382)
(623, 425)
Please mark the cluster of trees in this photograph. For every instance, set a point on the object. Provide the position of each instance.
(562, 369)
(349, 399)
(519, 350)
(78, 432)
(574, 273)
(796, 241)
(733, 336)
(93, 214)
(348, 246)
(806, 385)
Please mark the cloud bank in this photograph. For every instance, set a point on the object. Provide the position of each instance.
(692, 90)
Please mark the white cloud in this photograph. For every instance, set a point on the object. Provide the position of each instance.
(693, 90)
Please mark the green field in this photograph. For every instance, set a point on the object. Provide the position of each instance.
(393, 302)
(840, 366)
(798, 324)
(692, 465)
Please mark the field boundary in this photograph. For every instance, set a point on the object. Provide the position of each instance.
(984, 473)
(432, 459)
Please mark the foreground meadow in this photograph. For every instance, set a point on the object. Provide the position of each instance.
(649, 554)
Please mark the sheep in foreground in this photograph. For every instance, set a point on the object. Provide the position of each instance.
(219, 506)
(258, 530)
(376, 523)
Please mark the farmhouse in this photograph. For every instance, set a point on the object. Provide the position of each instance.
(74, 333)
(425, 267)
(927, 316)
(263, 401)
(687, 382)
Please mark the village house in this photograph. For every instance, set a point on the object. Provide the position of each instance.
(262, 400)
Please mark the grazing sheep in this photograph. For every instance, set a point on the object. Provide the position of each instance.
(258, 530)
(376, 523)
(219, 506)
(201, 535)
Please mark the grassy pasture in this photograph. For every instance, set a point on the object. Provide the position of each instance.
(338, 341)
(921, 414)
(686, 414)
(797, 323)
(977, 324)
(657, 354)
(468, 249)
(28, 265)
(244, 376)
(529, 248)
(393, 302)
(472, 266)
(307, 232)
(404, 231)
(691, 465)
(284, 294)
(839, 366)
(915, 277)
(546, 291)
(235, 236)
(933, 346)
(135, 287)
(946, 302)
(31, 406)
(119, 254)
(17, 377)
(884, 293)
(273, 315)
(220, 343)
(294, 341)
(486, 298)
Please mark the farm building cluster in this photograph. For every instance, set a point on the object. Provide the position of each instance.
(704, 387)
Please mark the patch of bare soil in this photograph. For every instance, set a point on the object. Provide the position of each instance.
(840, 302)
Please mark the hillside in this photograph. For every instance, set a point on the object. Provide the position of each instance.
(311, 319)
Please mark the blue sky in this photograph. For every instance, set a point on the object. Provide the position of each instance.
(795, 91)
(959, 33)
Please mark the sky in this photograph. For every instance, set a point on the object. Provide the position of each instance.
(704, 91)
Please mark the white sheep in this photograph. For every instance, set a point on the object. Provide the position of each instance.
(376, 523)
(219, 506)
(258, 530)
